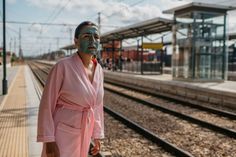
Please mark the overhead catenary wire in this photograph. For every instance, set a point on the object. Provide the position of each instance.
(101, 11)
(41, 23)
(61, 10)
(54, 11)
(53, 18)
(61, 6)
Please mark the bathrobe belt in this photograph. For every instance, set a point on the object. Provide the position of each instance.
(87, 119)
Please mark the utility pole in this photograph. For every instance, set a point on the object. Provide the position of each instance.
(99, 56)
(49, 47)
(4, 80)
(49, 56)
(70, 31)
(57, 54)
(14, 45)
(99, 23)
(40, 51)
(20, 50)
(142, 55)
(10, 45)
(57, 42)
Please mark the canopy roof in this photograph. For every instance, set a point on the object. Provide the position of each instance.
(69, 47)
(152, 26)
(196, 6)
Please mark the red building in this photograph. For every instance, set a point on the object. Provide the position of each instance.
(8, 57)
(127, 53)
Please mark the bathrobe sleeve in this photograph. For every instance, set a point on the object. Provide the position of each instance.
(48, 104)
(98, 131)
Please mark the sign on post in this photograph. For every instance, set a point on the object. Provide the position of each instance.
(154, 46)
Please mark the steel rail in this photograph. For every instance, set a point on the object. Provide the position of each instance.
(219, 112)
(148, 134)
(222, 130)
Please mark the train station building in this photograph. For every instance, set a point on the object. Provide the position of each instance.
(145, 109)
(199, 41)
(199, 44)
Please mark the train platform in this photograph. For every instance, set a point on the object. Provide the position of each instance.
(11, 72)
(18, 115)
(227, 86)
(217, 93)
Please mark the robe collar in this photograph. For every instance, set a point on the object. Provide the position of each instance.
(91, 85)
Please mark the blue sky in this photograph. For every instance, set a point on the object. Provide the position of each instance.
(37, 39)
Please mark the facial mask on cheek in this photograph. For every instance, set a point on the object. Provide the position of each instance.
(85, 44)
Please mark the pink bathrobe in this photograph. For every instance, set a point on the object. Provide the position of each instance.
(71, 108)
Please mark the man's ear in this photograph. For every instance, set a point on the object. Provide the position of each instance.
(76, 41)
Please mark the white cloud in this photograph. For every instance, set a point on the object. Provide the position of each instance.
(94, 5)
(139, 13)
(67, 4)
(46, 4)
(127, 14)
(36, 28)
(119, 11)
(113, 13)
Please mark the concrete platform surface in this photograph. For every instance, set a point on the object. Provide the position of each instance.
(11, 72)
(217, 93)
(18, 117)
(229, 86)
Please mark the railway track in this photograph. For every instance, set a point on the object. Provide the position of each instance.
(121, 141)
(151, 147)
(226, 126)
(190, 137)
(195, 111)
(218, 110)
(223, 111)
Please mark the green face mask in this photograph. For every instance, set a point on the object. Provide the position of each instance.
(89, 40)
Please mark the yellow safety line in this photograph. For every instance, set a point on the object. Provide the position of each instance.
(9, 90)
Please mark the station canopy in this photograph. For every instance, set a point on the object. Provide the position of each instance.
(69, 47)
(197, 6)
(153, 26)
(144, 28)
(232, 36)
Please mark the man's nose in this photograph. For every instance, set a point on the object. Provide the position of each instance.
(92, 38)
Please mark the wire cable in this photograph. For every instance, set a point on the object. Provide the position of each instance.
(41, 23)
(61, 10)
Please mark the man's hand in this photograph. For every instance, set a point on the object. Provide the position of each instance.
(97, 145)
(52, 149)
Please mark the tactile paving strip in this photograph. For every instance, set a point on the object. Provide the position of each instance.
(13, 120)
